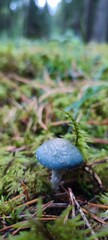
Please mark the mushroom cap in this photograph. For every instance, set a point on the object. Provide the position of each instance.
(59, 154)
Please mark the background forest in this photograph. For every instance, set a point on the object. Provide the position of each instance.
(53, 84)
(87, 19)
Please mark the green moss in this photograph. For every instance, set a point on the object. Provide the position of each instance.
(34, 79)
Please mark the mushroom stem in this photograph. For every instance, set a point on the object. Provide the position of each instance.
(55, 179)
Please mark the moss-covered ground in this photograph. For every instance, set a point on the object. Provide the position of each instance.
(40, 81)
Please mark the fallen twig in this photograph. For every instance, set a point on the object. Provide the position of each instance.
(82, 214)
(27, 81)
(98, 205)
(28, 203)
(98, 219)
(99, 140)
(96, 123)
(25, 190)
(98, 162)
(72, 203)
(59, 123)
(55, 91)
(95, 176)
(40, 112)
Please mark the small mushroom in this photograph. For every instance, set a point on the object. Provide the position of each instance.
(58, 154)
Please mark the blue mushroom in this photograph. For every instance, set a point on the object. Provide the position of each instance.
(58, 154)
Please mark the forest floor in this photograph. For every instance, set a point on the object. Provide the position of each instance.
(40, 84)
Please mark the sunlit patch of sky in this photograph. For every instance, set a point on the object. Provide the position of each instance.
(17, 4)
(41, 3)
(13, 6)
(52, 3)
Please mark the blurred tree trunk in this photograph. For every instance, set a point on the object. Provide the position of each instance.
(5, 17)
(100, 27)
(37, 22)
(89, 10)
(70, 16)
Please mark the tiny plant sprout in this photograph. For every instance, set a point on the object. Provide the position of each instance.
(57, 155)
